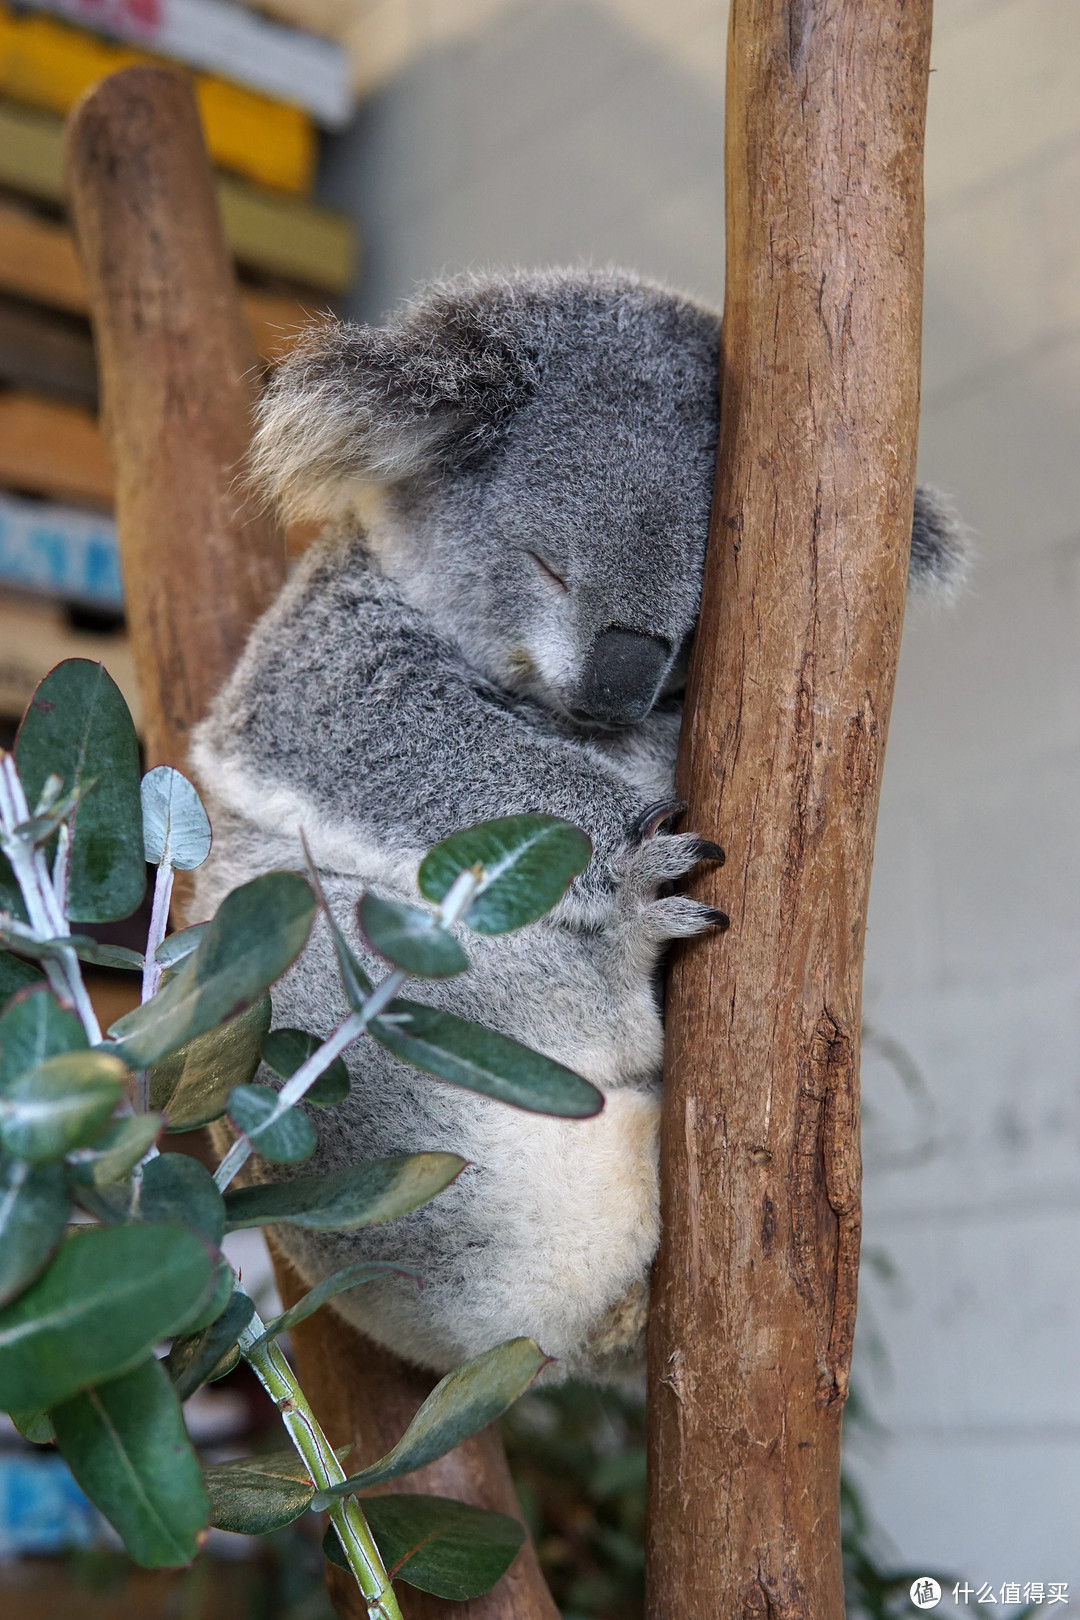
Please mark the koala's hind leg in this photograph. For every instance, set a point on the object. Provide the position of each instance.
(646, 916)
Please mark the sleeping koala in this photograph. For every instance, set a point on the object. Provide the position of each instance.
(515, 479)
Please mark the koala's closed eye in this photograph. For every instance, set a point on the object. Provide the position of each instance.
(549, 572)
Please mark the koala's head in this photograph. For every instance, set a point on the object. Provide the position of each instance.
(532, 459)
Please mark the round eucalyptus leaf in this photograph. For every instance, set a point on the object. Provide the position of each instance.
(410, 938)
(193, 1084)
(33, 1027)
(258, 931)
(284, 1140)
(284, 1050)
(33, 1211)
(78, 727)
(176, 828)
(126, 1445)
(15, 974)
(363, 1195)
(62, 1103)
(98, 1309)
(177, 1188)
(255, 1495)
(526, 862)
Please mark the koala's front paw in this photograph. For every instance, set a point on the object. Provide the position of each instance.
(651, 860)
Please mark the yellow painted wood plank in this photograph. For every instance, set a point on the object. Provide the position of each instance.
(48, 64)
(35, 636)
(51, 449)
(269, 231)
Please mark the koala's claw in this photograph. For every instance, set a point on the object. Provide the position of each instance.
(652, 820)
(719, 919)
(708, 851)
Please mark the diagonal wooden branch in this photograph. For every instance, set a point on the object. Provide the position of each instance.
(200, 561)
(782, 748)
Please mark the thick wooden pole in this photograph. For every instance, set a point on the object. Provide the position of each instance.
(178, 378)
(788, 705)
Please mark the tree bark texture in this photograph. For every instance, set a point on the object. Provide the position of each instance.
(781, 754)
(201, 561)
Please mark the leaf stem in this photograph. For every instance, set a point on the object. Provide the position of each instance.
(159, 921)
(346, 1514)
(43, 906)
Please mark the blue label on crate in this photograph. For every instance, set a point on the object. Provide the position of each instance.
(59, 551)
(42, 1510)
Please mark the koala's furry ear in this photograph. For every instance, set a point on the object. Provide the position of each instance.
(942, 547)
(354, 405)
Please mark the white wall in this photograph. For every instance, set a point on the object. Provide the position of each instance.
(547, 132)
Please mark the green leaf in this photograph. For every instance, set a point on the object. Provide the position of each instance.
(85, 948)
(78, 726)
(481, 1059)
(410, 938)
(34, 1426)
(177, 1188)
(355, 982)
(216, 1299)
(363, 1271)
(193, 1084)
(437, 1544)
(255, 1495)
(461, 1404)
(284, 1140)
(61, 1104)
(34, 1027)
(15, 975)
(528, 863)
(126, 1444)
(117, 1151)
(176, 828)
(258, 931)
(98, 1310)
(114, 956)
(362, 1195)
(194, 1356)
(33, 1210)
(285, 1050)
(173, 949)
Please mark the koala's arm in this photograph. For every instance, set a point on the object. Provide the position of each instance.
(347, 716)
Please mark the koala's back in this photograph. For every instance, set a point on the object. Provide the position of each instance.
(349, 718)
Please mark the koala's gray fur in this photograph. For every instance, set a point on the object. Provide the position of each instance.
(515, 476)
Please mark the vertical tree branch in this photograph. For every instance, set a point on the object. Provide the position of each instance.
(788, 705)
(201, 561)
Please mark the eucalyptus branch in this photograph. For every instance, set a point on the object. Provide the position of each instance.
(453, 908)
(43, 905)
(159, 922)
(317, 1454)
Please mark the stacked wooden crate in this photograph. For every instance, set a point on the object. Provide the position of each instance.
(263, 91)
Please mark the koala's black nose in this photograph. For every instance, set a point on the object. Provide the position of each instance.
(621, 677)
